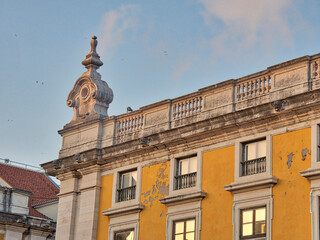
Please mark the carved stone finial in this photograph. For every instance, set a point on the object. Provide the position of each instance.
(93, 59)
(90, 96)
(94, 44)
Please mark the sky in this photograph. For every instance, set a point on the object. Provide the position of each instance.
(151, 50)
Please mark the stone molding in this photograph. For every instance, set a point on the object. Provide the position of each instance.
(227, 115)
(183, 198)
(252, 185)
(311, 173)
(125, 210)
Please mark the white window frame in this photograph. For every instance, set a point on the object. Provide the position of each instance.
(116, 186)
(173, 167)
(315, 180)
(254, 199)
(177, 169)
(254, 210)
(239, 154)
(315, 143)
(244, 154)
(123, 223)
(183, 212)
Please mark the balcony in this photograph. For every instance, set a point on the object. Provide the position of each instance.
(186, 180)
(125, 194)
(254, 166)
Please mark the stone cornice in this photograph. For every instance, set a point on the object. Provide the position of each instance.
(311, 173)
(252, 185)
(124, 210)
(183, 198)
(204, 132)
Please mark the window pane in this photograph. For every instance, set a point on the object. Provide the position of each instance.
(179, 227)
(251, 151)
(190, 236)
(183, 164)
(247, 229)
(193, 164)
(128, 235)
(134, 178)
(260, 227)
(125, 180)
(247, 216)
(179, 237)
(261, 214)
(190, 225)
(261, 146)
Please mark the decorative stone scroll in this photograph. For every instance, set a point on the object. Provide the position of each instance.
(90, 96)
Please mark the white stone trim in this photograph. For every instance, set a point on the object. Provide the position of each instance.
(173, 166)
(315, 139)
(258, 198)
(238, 157)
(314, 209)
(182, 212)
(123, 223)
(115, 186)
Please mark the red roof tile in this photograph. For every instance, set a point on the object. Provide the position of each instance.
(36, 182)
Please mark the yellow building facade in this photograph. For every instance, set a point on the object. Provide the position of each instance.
(235, 160)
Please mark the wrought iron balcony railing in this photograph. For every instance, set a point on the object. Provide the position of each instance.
(186, 180)
(254, 166)
(125, 194)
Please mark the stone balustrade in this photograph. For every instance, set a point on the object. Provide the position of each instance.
(272, 85)
(254, 87)
(187, 107)
(130, 124)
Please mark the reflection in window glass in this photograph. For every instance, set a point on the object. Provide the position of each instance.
(247, 216)
(179, 227)
(190, 226)
(261, 214)
(184, 230)
(188, 165)
(124, 235)
(253, 223)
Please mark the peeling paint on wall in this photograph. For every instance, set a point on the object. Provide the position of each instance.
(304, 153)
(160, 188)
(146, 194)
(289, 162)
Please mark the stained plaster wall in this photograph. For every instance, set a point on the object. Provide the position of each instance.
(218, 171)
(291, 217)
(105, 203)
(155, 185)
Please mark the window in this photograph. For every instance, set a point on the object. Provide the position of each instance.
(254, 158)
(186, 173)
(253, 223)
(184, 230)
(124, 235)
(318, 142)
(127, 186)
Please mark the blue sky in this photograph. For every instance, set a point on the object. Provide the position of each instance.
(151, 50)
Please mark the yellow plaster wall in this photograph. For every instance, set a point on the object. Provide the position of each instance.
(155, 185)
(218, 171)
(291, 217)
(105, 203)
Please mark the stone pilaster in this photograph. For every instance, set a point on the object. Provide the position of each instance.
(67, 206)
(87, 219)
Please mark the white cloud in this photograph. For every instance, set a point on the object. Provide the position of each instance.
(182, 67)
(241, 26)
(113, 26)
